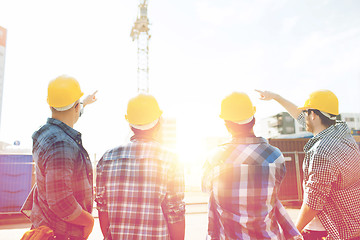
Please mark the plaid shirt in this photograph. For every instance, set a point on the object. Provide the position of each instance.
(332, 180)
(244, 177)
(63, 178)
(141, 187)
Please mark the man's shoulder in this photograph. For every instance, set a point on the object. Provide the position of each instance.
(273, 149)
(114, 152)
(140, 150)
(48, 135)
(258, 145)
(337, 145)
(250, 153)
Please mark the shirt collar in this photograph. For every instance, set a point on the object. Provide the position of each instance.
(68, 130)
(340, 129)
(248, 140)
(142, 138)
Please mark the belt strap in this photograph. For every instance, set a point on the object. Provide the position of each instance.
(64, 237)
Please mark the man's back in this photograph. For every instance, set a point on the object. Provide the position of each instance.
(141, 186)
(245, 177)
(332, 180)
(63, 177)
(338, 148)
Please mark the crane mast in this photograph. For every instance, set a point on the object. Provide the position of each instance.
(140, 33)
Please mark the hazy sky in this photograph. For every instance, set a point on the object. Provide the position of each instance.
(200, 50)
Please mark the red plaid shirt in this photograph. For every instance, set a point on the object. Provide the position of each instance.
(141, 187)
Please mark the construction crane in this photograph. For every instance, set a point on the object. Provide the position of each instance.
(140, 33)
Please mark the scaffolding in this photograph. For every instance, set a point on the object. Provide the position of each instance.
(140, 33)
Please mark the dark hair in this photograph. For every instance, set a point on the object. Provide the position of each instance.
(240, 129)
(324, 120)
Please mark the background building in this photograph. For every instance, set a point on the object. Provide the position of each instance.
(282, 125)
(353, 121)
(168, 133)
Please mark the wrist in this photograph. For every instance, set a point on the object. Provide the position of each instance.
(277, 97)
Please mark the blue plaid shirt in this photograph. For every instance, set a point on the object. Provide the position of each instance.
(244, 178)
(141, 187)
(63, 178)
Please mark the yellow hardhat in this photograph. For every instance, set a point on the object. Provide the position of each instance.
(237, 107)
(63, 91)
(142, 109)
(323, 100)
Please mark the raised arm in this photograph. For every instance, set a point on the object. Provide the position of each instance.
(90, 99)
(289, 106)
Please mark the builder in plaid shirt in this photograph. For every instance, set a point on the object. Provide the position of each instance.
(62, 198)
(243, 178)
(140, 185)
(331, 206)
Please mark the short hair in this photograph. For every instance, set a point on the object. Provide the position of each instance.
(324, 120)
(236, 129)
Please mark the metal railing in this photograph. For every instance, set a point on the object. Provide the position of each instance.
(291, 187)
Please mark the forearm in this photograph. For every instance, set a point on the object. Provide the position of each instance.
(86, 220)
(175, 216)
(306, 214)
(289, 106)
(177, 230)
(90, 99)
(104, 222)
(207, 175)
(205, 183)
(287, 225)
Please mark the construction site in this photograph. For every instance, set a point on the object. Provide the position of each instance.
(187, 137)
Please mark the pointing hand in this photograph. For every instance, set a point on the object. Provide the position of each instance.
(266, 95)
(90, 99)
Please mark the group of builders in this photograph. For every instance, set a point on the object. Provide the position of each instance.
(139, 189)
